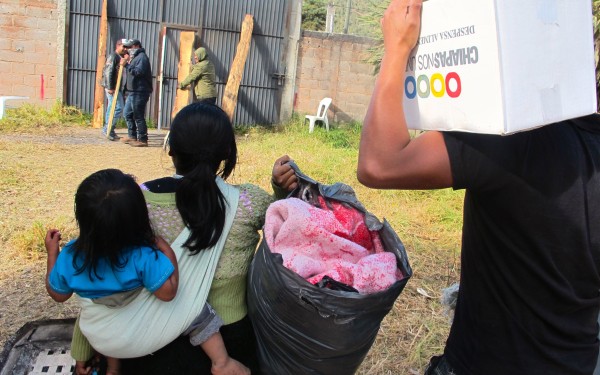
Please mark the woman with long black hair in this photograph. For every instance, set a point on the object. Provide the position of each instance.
(199, 213)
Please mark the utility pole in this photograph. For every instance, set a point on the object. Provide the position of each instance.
(330, 17)
(347, 22)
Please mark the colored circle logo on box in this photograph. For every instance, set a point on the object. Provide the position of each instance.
(436, 85)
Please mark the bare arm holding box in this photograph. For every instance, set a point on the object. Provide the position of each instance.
(388, 158)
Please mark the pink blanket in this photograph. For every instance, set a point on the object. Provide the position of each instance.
(335, 242)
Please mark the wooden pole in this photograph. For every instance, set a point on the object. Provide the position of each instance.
(347, 20)
(98, 115)
(186, 46)
(237, 67)
(113, 105)
(329, 19)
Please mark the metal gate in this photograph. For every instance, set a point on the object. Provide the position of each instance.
(217, 24)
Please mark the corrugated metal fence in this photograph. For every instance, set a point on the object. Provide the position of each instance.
(217, 24)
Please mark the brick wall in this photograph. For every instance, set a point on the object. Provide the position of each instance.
(332, 65)
(32, 42)
(28, 49)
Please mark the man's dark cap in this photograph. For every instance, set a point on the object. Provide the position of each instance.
(131, 43)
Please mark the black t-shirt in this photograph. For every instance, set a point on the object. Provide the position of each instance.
(529, 293)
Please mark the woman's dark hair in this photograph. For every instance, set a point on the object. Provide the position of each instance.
(202, 144)
(111, 213)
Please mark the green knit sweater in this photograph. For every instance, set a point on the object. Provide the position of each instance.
(227, 294)
(228, 291)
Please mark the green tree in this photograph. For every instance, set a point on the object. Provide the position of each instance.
(314, 15)
(370, 19)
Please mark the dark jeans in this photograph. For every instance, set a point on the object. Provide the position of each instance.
(134, 111)
(439, 366)
(181, 358)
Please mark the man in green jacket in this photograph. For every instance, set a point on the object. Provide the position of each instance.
(203, 77)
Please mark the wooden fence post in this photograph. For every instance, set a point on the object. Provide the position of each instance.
(186, 46)
(98, 116)
(236, 72)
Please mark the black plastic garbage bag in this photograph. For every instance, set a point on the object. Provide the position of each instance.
(304, 329)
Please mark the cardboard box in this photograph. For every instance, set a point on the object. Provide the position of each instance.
(501, 66)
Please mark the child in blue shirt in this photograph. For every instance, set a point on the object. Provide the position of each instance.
(117, 255)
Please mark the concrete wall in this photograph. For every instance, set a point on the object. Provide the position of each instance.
(31, 44)
(332, 65)
(293, 25)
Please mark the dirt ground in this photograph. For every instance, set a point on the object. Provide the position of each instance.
(31, 163)
(39, 174)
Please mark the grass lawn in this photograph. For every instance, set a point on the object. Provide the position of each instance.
(44, 159)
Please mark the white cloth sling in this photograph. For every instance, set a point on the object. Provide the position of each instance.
(147, 323)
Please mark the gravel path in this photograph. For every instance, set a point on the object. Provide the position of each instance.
(77, 136)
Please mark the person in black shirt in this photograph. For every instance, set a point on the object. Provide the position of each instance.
(529, 293)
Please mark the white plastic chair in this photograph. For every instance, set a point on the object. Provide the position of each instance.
(321, 115)
(4, 99)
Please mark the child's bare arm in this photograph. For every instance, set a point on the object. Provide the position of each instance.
(169, 289)
(51, 242)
